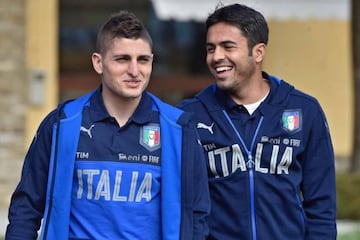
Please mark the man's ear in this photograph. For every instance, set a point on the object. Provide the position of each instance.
(259, 51)
(97, 63)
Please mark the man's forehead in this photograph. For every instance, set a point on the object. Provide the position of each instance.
(131, 46)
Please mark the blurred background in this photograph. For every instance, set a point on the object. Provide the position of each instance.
(45, 58)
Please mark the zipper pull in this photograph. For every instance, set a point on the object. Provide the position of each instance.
(250, 163)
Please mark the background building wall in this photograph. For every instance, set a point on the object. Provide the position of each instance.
(12, 94)
(315, 56)
(41, 62)
(28, 80)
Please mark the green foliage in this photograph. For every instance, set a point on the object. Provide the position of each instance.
(348, 195)
(350, 236)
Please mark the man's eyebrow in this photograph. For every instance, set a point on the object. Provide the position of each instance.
(121, 56)
(221, 43)
(149, 56)
(227, 42)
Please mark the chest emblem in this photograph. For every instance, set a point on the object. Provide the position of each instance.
(291, 120)
(150, 137)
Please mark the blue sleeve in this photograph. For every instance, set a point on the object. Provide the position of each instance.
(319, 185)
(202, 196)
(28, 200)
(197, 198)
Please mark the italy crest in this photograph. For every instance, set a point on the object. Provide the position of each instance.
(291, 120)
(150, 137)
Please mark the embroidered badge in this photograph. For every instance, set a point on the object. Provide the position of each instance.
(291, 120)
(150, 137)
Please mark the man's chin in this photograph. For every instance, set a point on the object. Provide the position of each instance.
(221, 83)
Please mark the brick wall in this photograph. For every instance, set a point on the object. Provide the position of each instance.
(12, 95)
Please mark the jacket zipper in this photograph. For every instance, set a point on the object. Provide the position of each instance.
(250, 165)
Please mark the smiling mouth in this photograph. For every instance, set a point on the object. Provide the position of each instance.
(223, 69)
(132, 81)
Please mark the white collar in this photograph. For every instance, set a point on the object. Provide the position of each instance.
(253, 106)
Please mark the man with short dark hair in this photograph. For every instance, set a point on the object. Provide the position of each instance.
(267, 145)
(117, 163)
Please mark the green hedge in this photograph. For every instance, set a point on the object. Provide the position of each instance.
(348, 195)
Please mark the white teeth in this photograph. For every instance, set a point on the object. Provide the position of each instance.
(222, 69)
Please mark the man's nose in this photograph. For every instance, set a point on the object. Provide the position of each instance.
(218, 54)
(133, 69)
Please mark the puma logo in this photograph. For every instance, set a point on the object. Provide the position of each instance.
(204, 126)
(87, 130)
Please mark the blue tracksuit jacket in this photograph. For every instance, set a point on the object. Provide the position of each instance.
(271, 174)
(184, 192)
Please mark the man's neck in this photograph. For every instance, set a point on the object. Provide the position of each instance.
(121, 108)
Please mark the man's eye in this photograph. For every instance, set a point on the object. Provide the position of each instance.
(229, 47)
(210, 49)
(144, 60)
(121, 59)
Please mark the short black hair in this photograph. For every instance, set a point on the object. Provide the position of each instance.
(122, 24)
(251, 23)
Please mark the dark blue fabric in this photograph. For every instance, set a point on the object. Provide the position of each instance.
(185, 205)
(289, 192)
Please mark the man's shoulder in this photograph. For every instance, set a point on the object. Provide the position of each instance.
(287, 93)
(206, 96)
(305, 98)
(188, 102)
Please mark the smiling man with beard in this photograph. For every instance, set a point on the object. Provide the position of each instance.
(267, 145)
